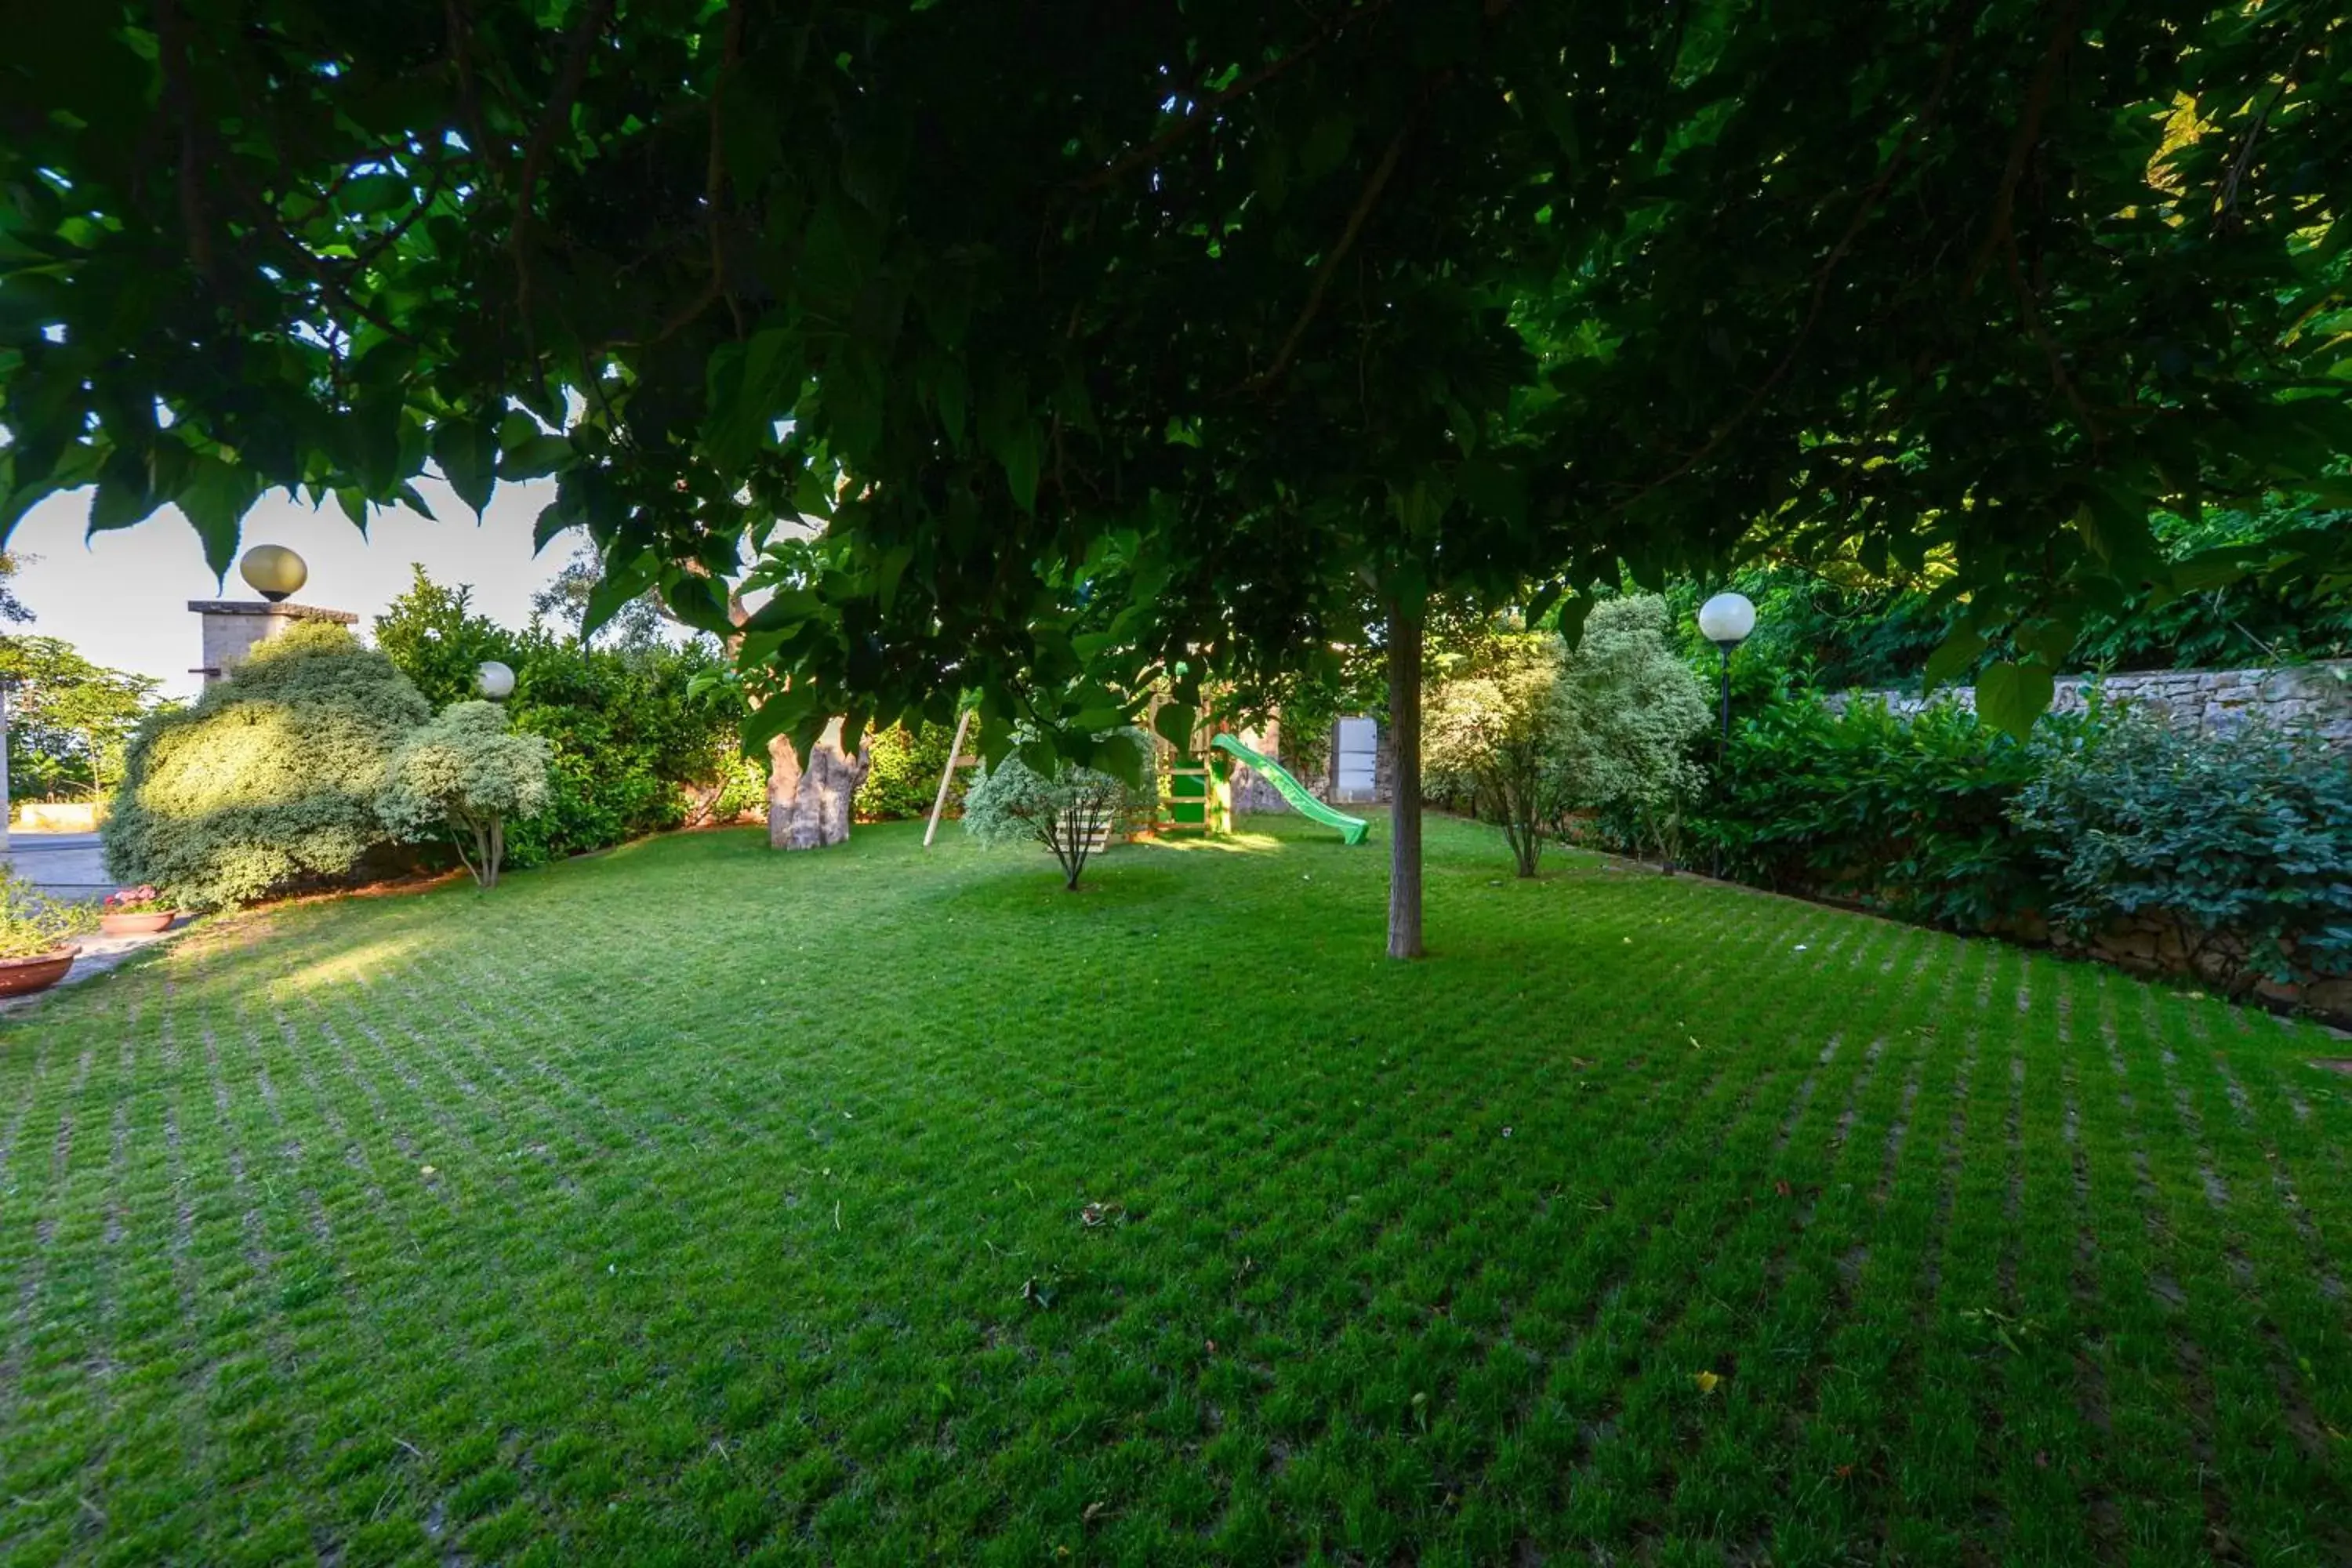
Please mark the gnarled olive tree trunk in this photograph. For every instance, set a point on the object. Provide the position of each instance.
(808, 804)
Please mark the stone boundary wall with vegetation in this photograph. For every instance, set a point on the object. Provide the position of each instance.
(2316, 696)
(2313, 699)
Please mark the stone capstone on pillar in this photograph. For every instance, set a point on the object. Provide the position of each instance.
(232, 626)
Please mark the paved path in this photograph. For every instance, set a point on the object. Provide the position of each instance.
(63, 865)
(69, 866)
(98, 954)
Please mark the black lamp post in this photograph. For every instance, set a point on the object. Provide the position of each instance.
(1724, 620)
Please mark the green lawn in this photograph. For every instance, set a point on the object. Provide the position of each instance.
(697, 1202)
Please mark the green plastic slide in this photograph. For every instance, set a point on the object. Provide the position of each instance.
(1353, 830)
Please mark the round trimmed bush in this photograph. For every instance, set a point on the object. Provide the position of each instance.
(268, 782)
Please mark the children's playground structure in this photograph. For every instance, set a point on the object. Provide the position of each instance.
(1197, 794)
(1200, 794)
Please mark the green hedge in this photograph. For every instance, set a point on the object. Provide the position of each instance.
(1908, 816)
(905, 774)
(2239, 843)
(637, 736)
(1836, 633)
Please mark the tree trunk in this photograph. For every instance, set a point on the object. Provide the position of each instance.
(1070, 846)
(809, 805)
(1404, 809)
(783, 790)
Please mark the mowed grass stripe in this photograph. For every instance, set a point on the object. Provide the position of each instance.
(2278, 1292)
(2274, 1496)
(757, 1228)
(2049, 1481)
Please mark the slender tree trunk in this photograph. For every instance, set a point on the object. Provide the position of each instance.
(1404, 810)
(1525, 834)
(458, 842)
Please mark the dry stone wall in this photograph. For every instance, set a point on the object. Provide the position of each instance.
(2316, 696)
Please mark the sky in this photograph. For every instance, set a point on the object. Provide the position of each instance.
(122, 597)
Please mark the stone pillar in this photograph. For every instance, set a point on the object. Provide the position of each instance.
(233, 625)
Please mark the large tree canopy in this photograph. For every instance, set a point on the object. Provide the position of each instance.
(1107, 338)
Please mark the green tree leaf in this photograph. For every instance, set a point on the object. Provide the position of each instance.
(533, 456)
(1174, 723)
(1952, 658)
(467, 448)
(218, 496)
(2011, 696)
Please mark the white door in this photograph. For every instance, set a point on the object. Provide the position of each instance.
(1357, 742)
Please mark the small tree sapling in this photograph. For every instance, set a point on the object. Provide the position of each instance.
(1071, 812)
(467, 771)
(1499, 729)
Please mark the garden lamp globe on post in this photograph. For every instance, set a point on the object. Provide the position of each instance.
(495, 680)
(1724, 620)
(273, 570)
(233, 629)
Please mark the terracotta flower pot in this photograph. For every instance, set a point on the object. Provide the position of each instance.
(135, 922)
(22, 976)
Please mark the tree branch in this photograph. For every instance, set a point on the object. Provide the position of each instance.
(585, 34)
(2020, 146)
(1151, 152)
(2225, 203)
(324, 200)
(1870, 200)
(179, 100)
(2030, 309)
(1360, 215)
(268, 227)
(714, 190)
(390, 238)
(459, 846)
(469, 100)
(715, 177)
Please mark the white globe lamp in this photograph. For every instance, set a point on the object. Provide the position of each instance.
(495, 679)
(273, 570)
(1726, 620)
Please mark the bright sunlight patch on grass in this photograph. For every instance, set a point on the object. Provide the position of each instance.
(1247, 841)
(698, 1203)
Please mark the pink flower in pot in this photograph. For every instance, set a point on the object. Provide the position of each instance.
(132, 910)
